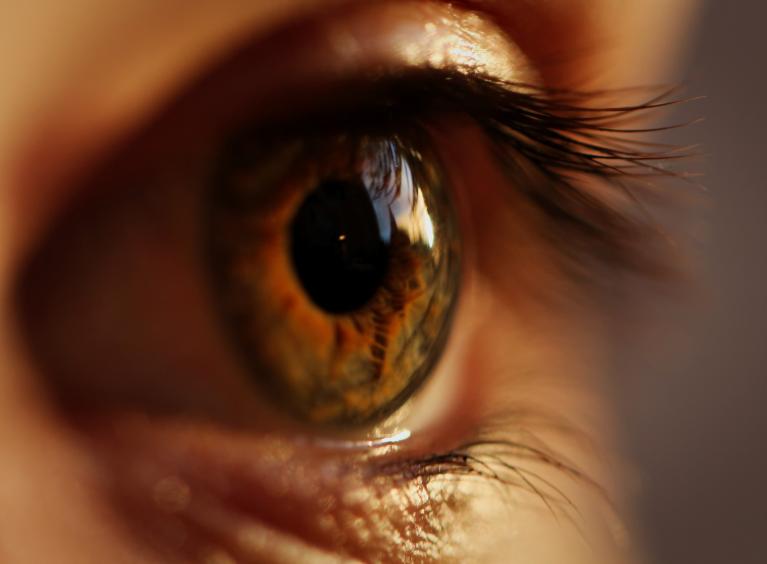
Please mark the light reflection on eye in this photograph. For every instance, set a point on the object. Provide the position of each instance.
(339, 274)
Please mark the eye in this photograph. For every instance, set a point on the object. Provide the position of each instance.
(336, 295)
(336, 265)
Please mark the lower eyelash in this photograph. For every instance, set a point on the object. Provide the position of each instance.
(511, 465)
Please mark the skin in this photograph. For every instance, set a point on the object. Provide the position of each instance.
(64, 101)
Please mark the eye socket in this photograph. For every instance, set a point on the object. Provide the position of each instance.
(336, 266)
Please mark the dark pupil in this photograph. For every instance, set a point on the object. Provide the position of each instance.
(338, 250)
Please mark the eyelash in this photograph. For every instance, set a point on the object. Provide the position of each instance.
(551, 143)
(494, 458)
(570, 142)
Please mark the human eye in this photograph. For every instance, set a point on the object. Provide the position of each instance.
(339, 298)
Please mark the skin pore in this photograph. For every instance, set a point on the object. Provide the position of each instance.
(80, 76)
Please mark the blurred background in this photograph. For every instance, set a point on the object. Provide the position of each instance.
(696, 400)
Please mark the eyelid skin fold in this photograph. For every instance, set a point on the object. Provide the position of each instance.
(71, 118)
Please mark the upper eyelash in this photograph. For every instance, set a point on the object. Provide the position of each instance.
(571, 141)
(553, 142)
(550, 142)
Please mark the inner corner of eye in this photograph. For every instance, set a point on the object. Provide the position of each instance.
(336, 270)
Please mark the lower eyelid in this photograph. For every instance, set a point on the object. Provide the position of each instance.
(205, 483)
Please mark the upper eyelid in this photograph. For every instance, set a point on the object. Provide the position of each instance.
(77, 124)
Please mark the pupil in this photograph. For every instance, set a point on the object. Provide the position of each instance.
(338, 250)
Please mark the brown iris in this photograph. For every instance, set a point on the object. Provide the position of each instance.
(335, 262)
